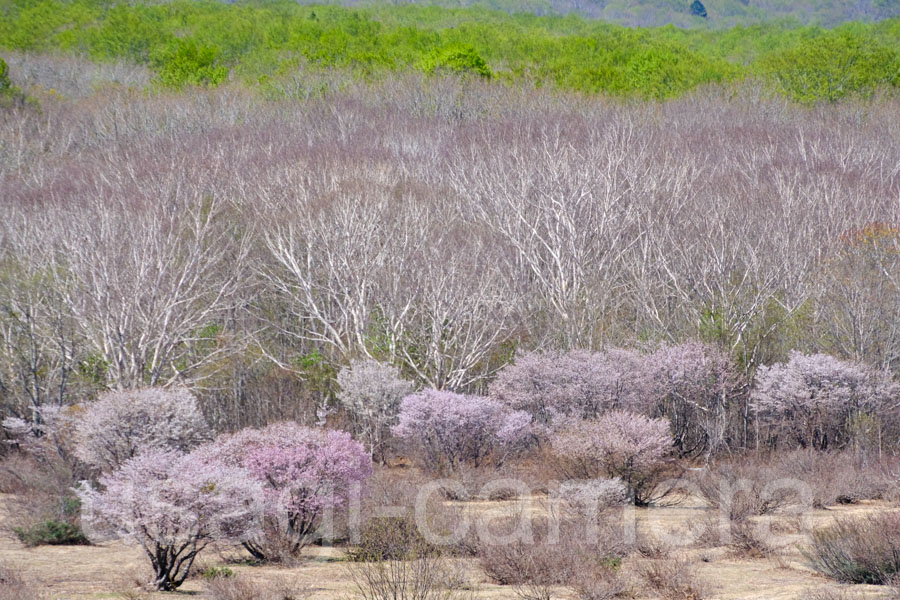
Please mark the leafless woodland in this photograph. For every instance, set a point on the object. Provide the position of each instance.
(249, 246)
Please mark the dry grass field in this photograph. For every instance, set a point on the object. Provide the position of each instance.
(109, 570)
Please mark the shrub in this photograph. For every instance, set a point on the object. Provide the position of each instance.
(186, 62)
(463, 60)
(216, 572)
(626, 445)
(10, 95)
(811, 399)
(240, 587)
(388, 538)
(743, 489)
(371, 393)
(52, 533)
(304, 473)
(858, 550)
(449, 429)
(599, 582)
(672, 579)
(833, 478)
(173, 505)
(41, 508)
(557, 553)
(422, 575)
(118, 425)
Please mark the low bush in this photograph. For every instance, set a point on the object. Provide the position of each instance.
(672, 579)
(834, 478)
(240, 587)
(600, 582)
(858, 550)
(52, 533)
(557, 553)
(743, 489)
(423, 574)
(389, 538)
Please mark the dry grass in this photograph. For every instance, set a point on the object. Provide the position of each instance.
(95, 572)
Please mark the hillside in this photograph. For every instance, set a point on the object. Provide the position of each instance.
(720, 13)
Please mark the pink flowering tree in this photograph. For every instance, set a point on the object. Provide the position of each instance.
(173, 506)
(696, 388)
(119, 424)
(553, 386)
(371, 393)
(448, 429)
(816, 400)
(304, 473)
(634, 448)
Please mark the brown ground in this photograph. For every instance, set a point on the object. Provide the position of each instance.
(108, 570)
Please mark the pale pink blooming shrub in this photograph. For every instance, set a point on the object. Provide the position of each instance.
(304, 474)
(578, 383)
(622, 444)
(449, 429)
(172, 505)
(119, 424)
(371, 393)
(819, 401)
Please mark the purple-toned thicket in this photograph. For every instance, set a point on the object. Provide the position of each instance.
(371, 393)
(619, 444)
(446, 429)
(818, 401)
(693, 385)
(173, 505)
(305, 474)
(121, 424)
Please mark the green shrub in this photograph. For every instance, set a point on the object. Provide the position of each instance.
(185, 62)
(457, 59)
(216, 572)
(52, 533)
(389, 538)
(10, 95)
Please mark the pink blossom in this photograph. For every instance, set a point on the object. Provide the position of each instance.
(173, 506)
(449, 428)
(303, 472)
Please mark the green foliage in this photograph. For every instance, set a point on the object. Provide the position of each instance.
(832, 66)
(51, 532)
(216, 573)
(10, 95)
(389, 538)
(457, 59)
(185, 62)
(199, 42)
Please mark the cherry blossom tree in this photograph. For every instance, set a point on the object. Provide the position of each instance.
(622, 444)
(448, 429)
(120, 424)
(814, 399)
(173, 506)
(696, 387)
(304, 473)
(577, 383)
(371, 393)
